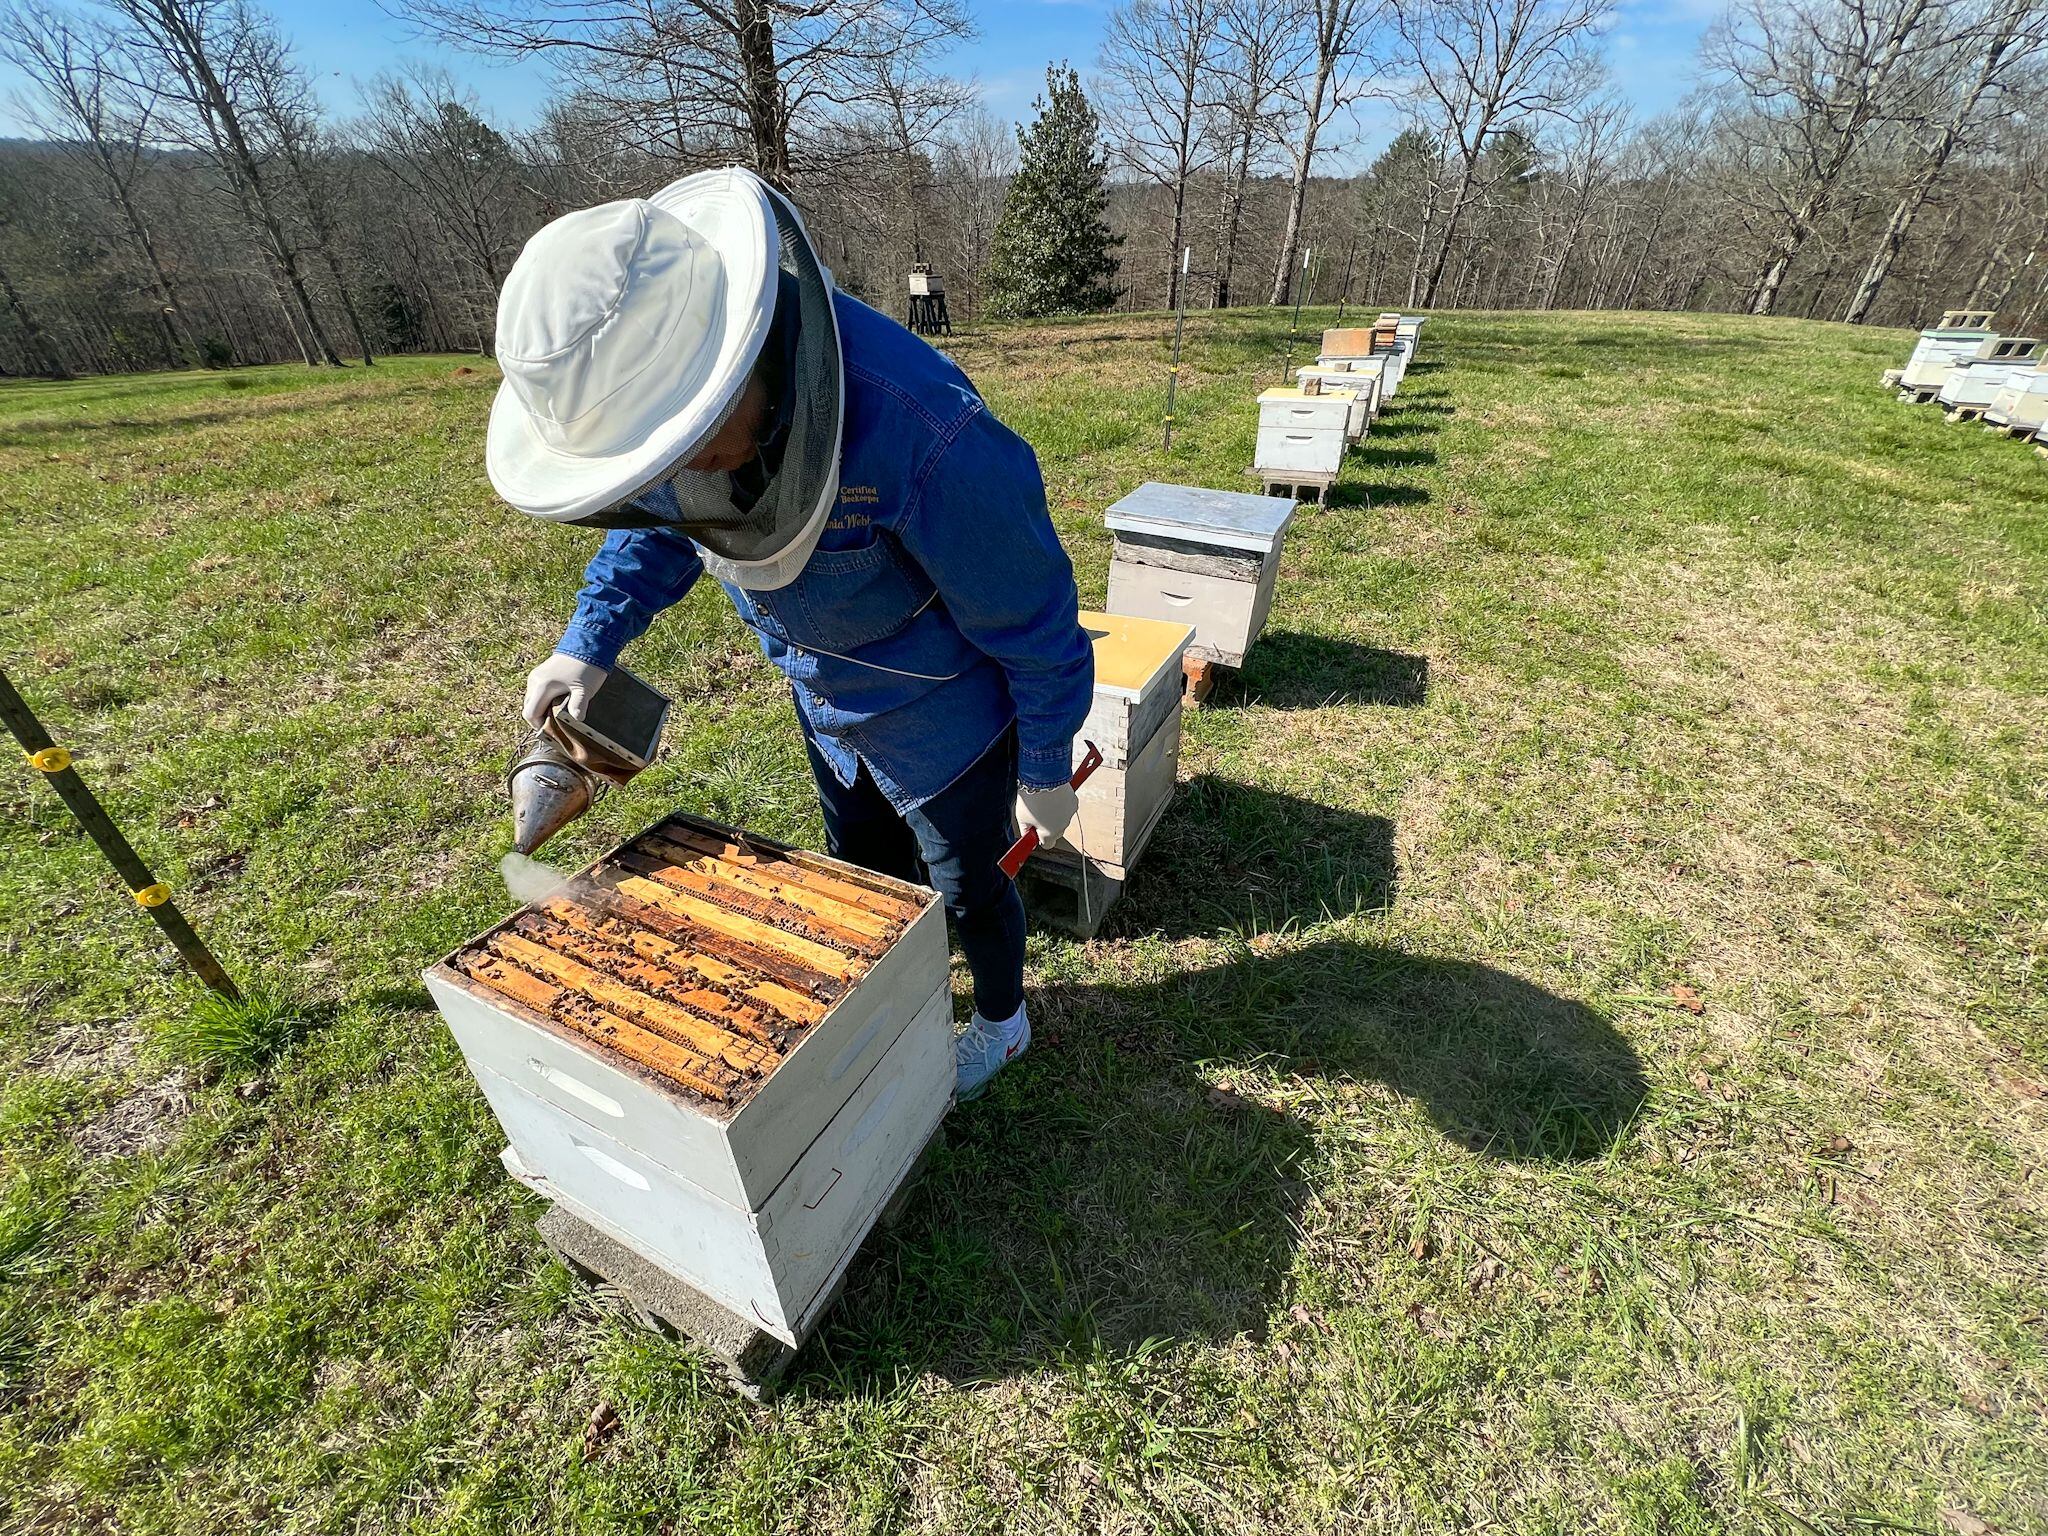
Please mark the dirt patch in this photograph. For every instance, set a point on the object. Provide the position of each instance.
(146, 1120)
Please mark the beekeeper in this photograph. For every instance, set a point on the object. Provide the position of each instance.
(679, 370)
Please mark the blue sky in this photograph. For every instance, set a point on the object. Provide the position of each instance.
(347, 42)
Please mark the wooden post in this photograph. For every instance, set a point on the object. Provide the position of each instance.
(54, 762)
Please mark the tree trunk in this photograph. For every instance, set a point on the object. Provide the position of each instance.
(1236, 181)
(1297, 196)
(1452, 216)
(1915, 196)
(33, 334)
(761, 88)
(173, 312)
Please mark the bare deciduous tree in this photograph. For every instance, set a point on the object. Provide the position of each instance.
(1482, 67)
(91, 108)
(1810, 80)
(1328, 81)
(1157, 60)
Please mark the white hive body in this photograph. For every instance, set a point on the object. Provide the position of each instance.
(2022, 405)
(1937, 351)
(1201, 557)
(1974, 381)
(722, 1053)
(1360, 377)
(1300, 432)
(1135, 722)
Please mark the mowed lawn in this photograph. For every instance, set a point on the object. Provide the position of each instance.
(1572, 1059)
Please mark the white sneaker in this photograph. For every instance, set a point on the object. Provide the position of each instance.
(985, 1049)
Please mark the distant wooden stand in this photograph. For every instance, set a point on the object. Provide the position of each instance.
(928, 316)
(752, 1359)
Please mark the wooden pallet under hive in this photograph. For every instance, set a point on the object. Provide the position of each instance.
(719, 1050)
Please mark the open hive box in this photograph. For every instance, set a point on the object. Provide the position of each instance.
(723, 1052)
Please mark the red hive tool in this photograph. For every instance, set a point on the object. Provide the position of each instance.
(1021, 850)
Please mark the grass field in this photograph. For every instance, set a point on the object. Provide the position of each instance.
(1573, 1060)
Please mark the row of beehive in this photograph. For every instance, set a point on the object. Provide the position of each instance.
(1191, 581)
(1977, 374)
(1305, 427)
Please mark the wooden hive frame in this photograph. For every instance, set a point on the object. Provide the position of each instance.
(696, 953)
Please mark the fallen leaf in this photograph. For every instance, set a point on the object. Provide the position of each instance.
(1303, 1316)
(604, 1422)
(1223, 1098)
(1420, 1248)
(1963, 1523)
(1704, 1083)
(1425, 1319)
(1487, 1272)
(1687, 998)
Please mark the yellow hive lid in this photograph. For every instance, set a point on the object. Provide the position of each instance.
(1130, 652)
(1333, 384)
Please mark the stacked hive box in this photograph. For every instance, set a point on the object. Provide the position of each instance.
(1351, 346)
(721, 1053)
(1302, 438)
(1359, 379)
(1972, 382)
(1200, 557)
(1937, 351)
(1135, 723)
(2021, 406)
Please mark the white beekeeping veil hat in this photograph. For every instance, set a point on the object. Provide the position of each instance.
(627, 333)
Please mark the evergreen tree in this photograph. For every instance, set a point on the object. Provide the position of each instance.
(1052, 252)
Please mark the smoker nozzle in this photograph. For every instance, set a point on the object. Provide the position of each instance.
(548, 791)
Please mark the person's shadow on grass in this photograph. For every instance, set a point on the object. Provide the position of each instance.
(1142, 1173)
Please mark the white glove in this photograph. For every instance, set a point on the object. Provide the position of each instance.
(560, 677)
(1051, 811)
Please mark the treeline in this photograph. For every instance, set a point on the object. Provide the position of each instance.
(188, 201)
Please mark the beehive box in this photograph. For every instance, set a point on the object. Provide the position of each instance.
(1348, 341)
(2022, 405)
(1301, 434)
(719, 1050)
(1408, 331)
(1973, 381)
(1195, 556)
(1361, 389)
(1135, 722)
(1936, 352)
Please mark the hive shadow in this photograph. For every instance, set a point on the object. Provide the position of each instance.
(1114, 1188)
(1291, 669)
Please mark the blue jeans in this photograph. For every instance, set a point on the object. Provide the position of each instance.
(951, 842)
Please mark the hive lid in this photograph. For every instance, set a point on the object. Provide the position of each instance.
(1332, 382)
(1234, 519)
(1130, 653)
(695, 955)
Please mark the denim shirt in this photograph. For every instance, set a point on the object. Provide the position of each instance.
(938, 607)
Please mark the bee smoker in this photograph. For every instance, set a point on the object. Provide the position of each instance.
(565, 767)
